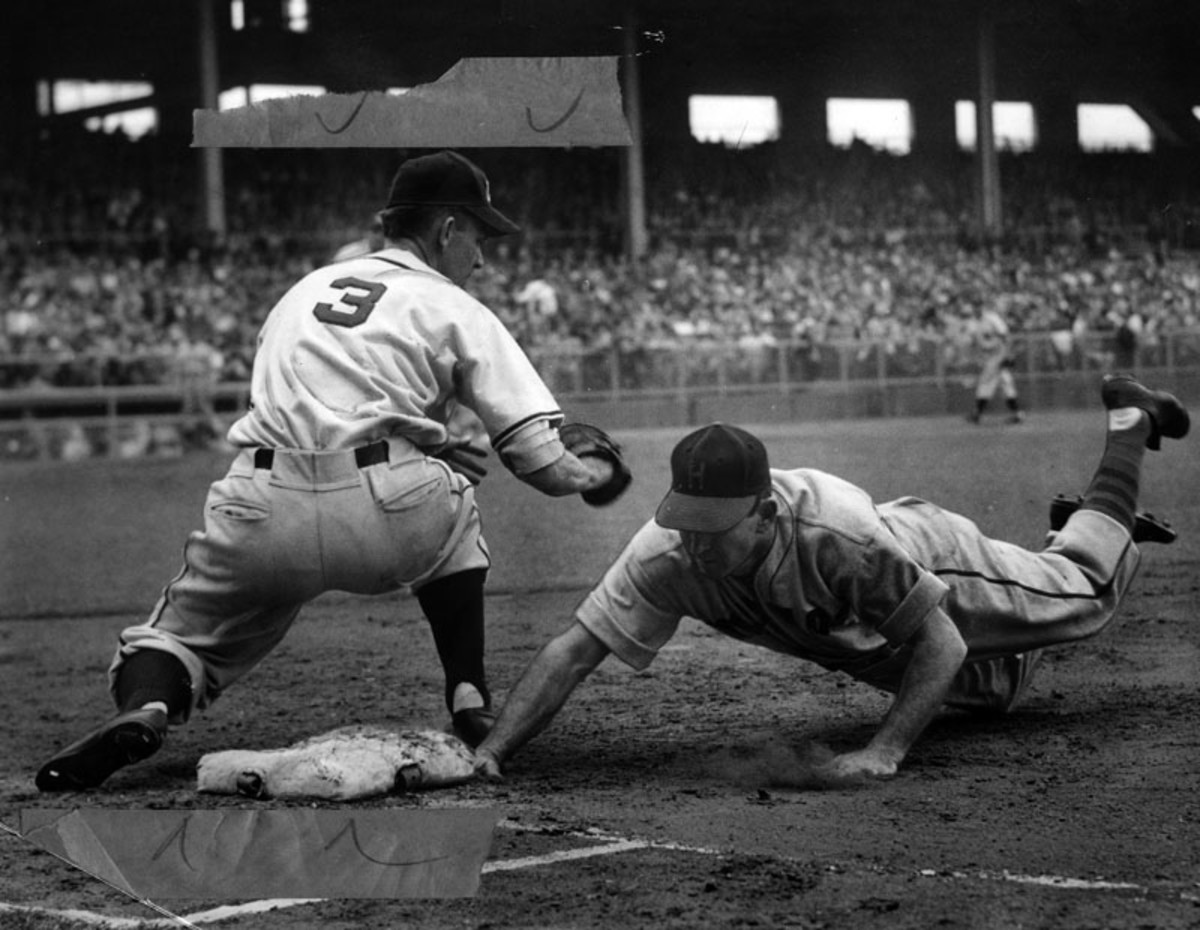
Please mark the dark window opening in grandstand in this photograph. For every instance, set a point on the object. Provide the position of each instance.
(880, 123)
(735, 121)
(1109, 127)
(1013, 125)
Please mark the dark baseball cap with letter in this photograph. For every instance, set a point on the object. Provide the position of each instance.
(447, 179)
(717, 473)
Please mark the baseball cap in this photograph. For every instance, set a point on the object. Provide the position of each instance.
(717, 473)
(447, 179)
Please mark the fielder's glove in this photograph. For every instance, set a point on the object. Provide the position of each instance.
(583, 440)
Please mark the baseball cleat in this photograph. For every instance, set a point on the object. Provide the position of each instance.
(1146, 526)
(471, 715)
(1168, 417)
(473, 724)
(127, 738)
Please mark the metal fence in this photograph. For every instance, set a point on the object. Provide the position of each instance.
(729, 367)
(130, 420)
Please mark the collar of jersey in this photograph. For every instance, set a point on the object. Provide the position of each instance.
(406, 259)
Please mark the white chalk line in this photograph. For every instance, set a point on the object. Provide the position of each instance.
(1047, 881)
(1081, 884)
(609, 844)
(91, 919)
(563, 855)
(1073, 884)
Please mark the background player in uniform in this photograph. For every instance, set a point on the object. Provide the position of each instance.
(347, 476)
(904, 596)
(990, 340)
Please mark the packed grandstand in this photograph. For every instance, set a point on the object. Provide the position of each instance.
(106, 283)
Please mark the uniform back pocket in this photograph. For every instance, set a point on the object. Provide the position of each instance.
(410, 485)
(240, 510)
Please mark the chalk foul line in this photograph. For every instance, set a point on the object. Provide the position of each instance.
(606, 844)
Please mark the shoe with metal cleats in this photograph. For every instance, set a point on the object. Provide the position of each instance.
(471, 719)
(1146, 526)
(474, 724)
(127, 738)
(1168, 417)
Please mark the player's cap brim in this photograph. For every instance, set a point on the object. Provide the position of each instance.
(692, 514)
(493, 220)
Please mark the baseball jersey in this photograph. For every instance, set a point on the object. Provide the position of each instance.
(846, 583)
(991, 332)
(836, 587)
(382, 345)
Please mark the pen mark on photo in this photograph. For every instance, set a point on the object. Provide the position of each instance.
(350, 119)
(553, 126)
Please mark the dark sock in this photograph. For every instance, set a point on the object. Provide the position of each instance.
(980, 407)
(1114, 488)
(153, 675)
(454, 608)
(1013, 404)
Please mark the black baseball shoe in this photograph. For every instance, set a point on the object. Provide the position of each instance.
(474, 724)
(1168, 417)
(127, 738)
(471, 716)
(1146, 526)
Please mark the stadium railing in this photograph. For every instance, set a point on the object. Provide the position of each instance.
(659, 384)
(715, 366)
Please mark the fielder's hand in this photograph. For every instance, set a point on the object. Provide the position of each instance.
(859, 764)
(487, 768)
(464, 458)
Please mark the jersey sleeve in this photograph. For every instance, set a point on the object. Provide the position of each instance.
(531, 446)
(851, 563)
(496, 379)
(880, 583)
(621, 610)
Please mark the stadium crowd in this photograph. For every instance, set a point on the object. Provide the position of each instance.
(104, 280)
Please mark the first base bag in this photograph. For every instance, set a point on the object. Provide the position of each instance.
(343, 764)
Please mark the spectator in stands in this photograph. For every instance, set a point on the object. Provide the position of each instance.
(745, 246)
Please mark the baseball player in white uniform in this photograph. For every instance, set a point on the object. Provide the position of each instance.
(348, 477)
(904, 595)
(991, 340)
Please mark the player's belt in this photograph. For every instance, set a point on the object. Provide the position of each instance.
(374, 454)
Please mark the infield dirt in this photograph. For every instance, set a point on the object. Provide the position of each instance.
(1094, 780)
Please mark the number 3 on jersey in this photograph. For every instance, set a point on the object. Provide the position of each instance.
(363, 303)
